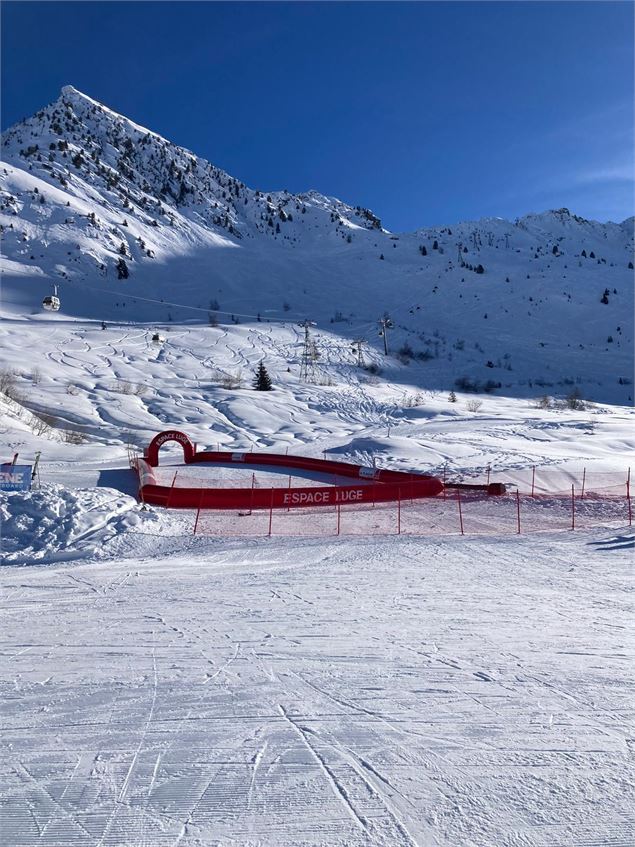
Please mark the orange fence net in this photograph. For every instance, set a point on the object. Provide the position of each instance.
(454, 514)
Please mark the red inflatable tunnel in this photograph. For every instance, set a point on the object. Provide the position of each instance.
(387, 485)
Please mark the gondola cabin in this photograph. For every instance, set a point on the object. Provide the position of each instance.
(52, 302)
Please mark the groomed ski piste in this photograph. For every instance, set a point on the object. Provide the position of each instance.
(163, 688)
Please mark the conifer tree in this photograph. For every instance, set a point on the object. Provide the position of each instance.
(122, 270)
(262, 380)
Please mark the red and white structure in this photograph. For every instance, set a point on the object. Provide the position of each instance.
(368, 484)
(338, 498)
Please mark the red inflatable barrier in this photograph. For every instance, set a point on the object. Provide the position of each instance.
(492, 489)
(387, 485)
(146, 474)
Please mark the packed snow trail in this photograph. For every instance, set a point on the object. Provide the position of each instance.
(385, 692)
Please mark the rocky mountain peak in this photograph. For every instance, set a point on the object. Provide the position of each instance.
(84, 147)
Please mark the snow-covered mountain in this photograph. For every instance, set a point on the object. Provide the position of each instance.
(126, 184)
(133, 227)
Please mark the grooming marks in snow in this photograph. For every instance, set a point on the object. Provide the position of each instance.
(336, 693)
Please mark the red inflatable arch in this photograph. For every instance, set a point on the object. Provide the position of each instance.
(152, 453)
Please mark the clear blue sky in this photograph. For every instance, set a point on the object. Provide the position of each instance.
(428, 113)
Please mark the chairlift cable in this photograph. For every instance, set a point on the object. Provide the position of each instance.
(183, 306)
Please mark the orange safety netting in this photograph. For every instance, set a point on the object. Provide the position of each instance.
(454, 514)
(546, 480)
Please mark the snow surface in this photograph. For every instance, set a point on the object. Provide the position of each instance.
(165, 689)
(368, 692)
(162, 688)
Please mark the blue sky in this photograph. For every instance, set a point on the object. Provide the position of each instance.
(427, 113)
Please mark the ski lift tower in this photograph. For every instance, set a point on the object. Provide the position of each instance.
(384, 325)
(307, 362)
(358, 351)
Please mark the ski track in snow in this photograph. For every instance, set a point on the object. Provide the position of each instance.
(365, 692)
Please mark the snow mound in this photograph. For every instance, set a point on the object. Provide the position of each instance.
(58, 524)
(389, 449)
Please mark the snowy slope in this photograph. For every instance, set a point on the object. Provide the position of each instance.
(116, 386)
(84, 189)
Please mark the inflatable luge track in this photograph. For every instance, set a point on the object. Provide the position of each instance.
(373, 485)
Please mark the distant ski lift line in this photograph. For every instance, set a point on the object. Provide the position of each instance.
(180, 305)
(295, 321)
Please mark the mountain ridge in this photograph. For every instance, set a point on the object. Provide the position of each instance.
(70, 95)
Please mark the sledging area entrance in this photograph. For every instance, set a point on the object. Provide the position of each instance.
(265, 494)
(266, 481)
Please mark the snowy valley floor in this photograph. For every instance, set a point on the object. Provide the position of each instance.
(390, 691)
